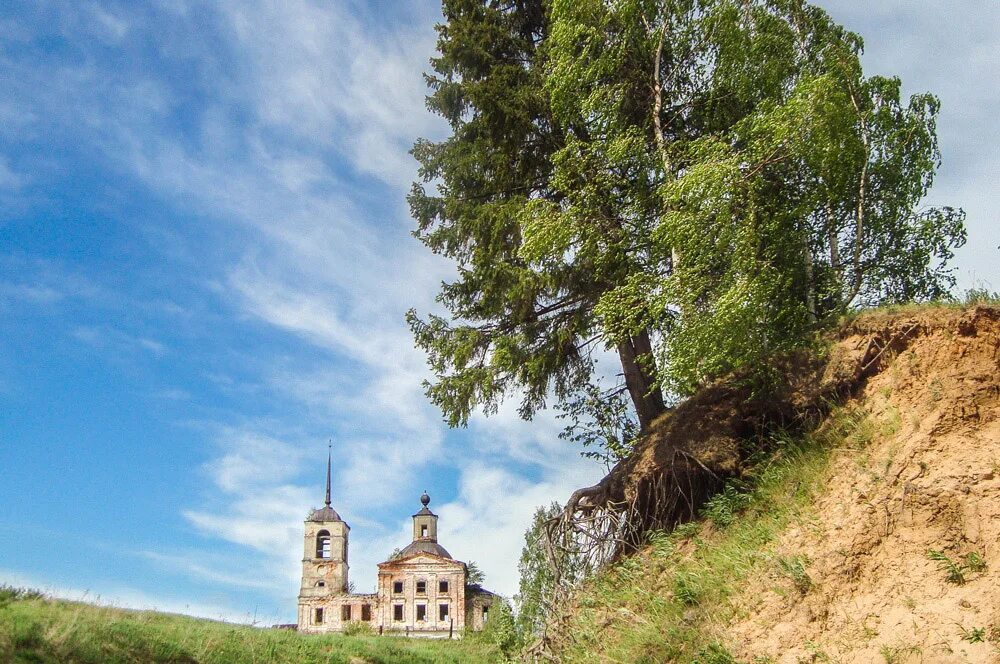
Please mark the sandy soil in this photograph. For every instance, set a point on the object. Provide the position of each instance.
(928, 479)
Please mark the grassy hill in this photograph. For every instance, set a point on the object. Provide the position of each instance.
(870, 538)
(41, 630)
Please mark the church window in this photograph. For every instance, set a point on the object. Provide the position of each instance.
(345, 612)
(442, 586)
(323, 544)
(421, 612)
(366, 612)
(486, 613)
(397, 612)
(397, 587)
(442, 612)
(321, 584)
(421, 587)
(318, 616)
(423, 531)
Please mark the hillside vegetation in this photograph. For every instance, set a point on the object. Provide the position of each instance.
(870, 537)
(41, 630)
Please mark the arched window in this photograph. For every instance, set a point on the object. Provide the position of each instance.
(323, 544)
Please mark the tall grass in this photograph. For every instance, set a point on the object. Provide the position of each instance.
(46, 631)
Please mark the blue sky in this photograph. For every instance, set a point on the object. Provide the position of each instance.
(204, 263)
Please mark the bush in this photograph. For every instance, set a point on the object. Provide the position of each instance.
(355, 628)
(501, 631)
(723, 507)
(10, 594)
(981, 296)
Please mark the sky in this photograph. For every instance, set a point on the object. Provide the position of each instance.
(205, 259)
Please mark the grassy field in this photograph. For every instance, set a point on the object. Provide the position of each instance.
(40, 630)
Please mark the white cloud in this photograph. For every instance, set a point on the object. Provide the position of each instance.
(325, 75)
(258, 507)
(107, 25)
(251, 460)
(173, 394)
(34, 294)
(106, 337)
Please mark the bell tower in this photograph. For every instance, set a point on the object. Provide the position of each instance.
(324, 560)
(425, 522)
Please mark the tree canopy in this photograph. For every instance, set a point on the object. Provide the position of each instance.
(690, 184)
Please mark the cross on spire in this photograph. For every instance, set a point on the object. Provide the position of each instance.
(329, 452)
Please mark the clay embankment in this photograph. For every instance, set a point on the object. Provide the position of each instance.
(929, 480)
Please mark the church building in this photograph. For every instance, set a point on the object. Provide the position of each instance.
(421, 591)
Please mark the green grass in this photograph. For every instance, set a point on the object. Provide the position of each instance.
(955, 570)
(666, 604)
(37, 630)
(970, 298)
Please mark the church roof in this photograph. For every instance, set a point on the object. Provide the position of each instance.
(424, 546)
(326, 513)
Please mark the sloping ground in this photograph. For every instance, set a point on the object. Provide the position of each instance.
(44, 631)
(930, 481)
(873, 538)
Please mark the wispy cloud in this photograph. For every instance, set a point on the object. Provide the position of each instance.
(105, 337)
(216, 570)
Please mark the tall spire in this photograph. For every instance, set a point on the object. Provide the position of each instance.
(329, 452)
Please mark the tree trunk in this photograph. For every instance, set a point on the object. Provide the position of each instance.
(640, 380)
(810, 291)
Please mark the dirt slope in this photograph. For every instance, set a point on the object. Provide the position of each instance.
(927, 479)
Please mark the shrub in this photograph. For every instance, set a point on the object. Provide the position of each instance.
(723, 507)
(355, 628)
(687, 587)
(501, 630)
(10, 594)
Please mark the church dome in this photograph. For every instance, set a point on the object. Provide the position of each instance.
(425, 500)
(324, 514)
(424, 546)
